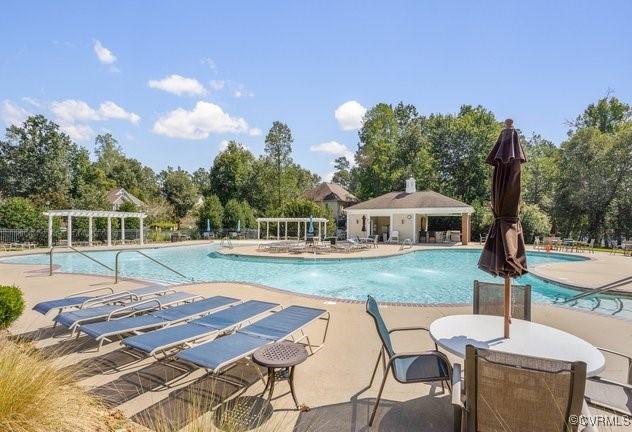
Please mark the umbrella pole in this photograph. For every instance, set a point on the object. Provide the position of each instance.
(507, 305)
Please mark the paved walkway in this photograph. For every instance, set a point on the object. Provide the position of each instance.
(332, 382)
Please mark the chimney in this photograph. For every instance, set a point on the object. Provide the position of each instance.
(411, 186)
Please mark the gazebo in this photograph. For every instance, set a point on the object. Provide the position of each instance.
(91, 214)
(285, 220)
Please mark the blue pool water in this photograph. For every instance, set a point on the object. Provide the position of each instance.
(427, 277)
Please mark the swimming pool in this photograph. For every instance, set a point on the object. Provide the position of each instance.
(437, 276)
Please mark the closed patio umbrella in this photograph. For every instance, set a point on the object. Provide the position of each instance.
(310, 228)
(504, 251)
(239, 225)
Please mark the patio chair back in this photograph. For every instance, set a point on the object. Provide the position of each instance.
(489, 300)
(520, 393)
(373, 310)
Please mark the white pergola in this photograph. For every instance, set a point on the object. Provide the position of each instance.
(91, 214)
(286, 220)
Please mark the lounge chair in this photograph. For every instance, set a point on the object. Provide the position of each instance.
(221, 353)
(609, 394)
(80, 300)
(106, 330)
(394, 238)
(489, 300)
(407, 367)
(511, 392)
(74, 319)
(174, 337)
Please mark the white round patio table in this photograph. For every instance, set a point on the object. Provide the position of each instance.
(453, 333)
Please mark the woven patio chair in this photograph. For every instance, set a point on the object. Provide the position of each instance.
(609, 394)
(489, 299)
(511, 392)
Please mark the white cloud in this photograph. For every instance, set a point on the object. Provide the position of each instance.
(179, 85)
(334, 148)
(72, 116)
(73, 110)
(12, 114)
(210, 63)
(254, 132)
(349, 115)
(217, 84)
(77, 131)
(104, 55)
(240, 91)
(204, 119)
(32, 101)
(109, 109)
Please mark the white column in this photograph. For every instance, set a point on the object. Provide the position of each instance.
(69, 232)
(267, 230)
(285, 230)
(325, 228)
(298, 230)
(305, 230)
(50, 231)
(140, 232)
(90, 231)
(122, 230)
(109, 231)
(258, 230)
(414, 228)
(278, 230)
(319, 230)
(390, 226)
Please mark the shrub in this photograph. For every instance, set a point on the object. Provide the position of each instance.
(36, 396)
(211, 209)
(11, 305)
(534, 222)
(20, 213)
(232, 214)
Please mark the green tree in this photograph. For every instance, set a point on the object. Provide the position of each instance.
(36, 160)
(179, 190)
(232, 214)
(342, 175)
(377, 167)
(278, 148)
(124, 172)
(606, 115)
(540, 173)
(202, 180)
(460, 144)
(595, 168)
(248, 215)
(535, 222)
(20, 213)
(231, 172)
(212, 210)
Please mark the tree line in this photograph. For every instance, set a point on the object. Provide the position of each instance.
(579, 188)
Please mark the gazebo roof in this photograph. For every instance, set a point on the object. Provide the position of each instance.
(94, 213)
(330, 192)
(426, 200)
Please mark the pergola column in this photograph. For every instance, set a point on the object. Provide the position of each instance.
(109, 231)
(267, 230)
(465, 228)
(122, 230)
(258, 230)
(140, 231)
(278, 230)
(90, 231)
(325, 228)
(285, 230)
(305, 230)
(69, 231)
(50, 231)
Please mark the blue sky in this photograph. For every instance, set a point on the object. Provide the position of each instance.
(238, 66)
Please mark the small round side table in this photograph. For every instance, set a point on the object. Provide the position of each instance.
(280, 355)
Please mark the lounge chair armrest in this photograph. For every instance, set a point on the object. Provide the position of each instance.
(457, 386)
(587, 414)
(609, 351)
(397, 329)
(110, 289)
(133, 308)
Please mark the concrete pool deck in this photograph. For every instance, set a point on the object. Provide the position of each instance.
(332, 382)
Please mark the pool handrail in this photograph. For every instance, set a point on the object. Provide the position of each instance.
(50, 253)
(607, 287)
(116, 264)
